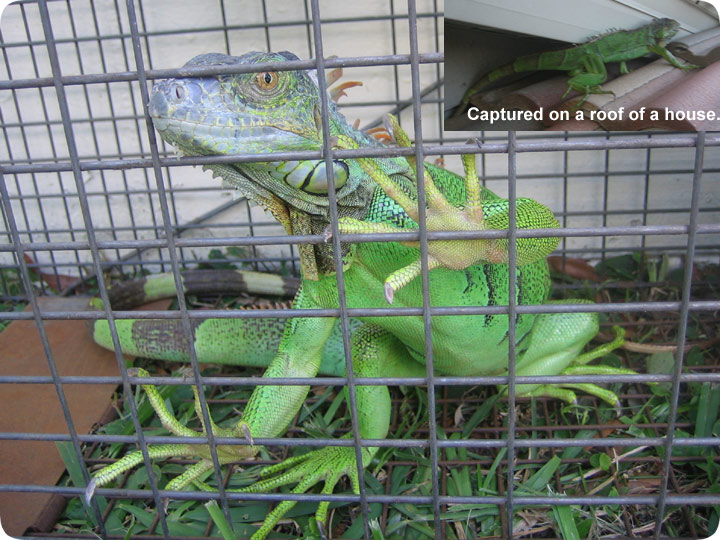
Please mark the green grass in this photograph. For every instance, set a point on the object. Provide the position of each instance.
(476, 413)
(539, 471)
(12, 285)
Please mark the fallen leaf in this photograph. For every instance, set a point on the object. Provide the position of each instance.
(574, 268)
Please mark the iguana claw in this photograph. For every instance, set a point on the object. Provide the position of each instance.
(321, 529)
(90, 491)
(389, 293)
(248, 436)
(327, 234)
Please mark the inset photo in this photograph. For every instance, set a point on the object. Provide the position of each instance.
(563, 65)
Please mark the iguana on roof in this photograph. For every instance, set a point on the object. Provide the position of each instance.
(279, 110)
(586, 63)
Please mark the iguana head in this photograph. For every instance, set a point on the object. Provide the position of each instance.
(663, 30)
(258, 113)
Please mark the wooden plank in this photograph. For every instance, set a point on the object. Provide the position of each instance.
(35, 408)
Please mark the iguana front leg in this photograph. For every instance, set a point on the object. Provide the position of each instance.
(480, 212)
(663, 51)
(375, 353)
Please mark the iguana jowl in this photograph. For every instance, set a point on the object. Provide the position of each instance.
(585, 63)
(278, 111)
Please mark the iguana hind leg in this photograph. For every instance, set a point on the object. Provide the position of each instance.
(226, 453)
(555, 346)
(235, 341)
(268, 412)
(375, 353)
(588, 79)
(246, 341)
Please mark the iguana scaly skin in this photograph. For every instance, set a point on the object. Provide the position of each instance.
(251, 342)
(585, 63)
(280, 111)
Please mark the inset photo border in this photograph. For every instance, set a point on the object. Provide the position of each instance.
(566, 65)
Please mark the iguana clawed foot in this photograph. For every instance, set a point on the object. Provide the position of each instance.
(226, 453)
(476, 214)
(327, 465)
(548, 352)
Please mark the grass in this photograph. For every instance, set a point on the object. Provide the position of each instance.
(477, 413)
(12, 286)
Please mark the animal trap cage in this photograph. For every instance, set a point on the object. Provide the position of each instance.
(89, 200)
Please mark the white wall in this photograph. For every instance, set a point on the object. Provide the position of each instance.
(112, 108)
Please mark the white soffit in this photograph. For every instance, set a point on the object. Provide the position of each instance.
(576, 21)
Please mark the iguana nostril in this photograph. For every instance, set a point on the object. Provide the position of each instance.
(158, 105)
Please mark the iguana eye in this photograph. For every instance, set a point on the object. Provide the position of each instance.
(267, 80)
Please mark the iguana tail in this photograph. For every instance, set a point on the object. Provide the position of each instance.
(495, 75)
(233, 341)
(132, 294)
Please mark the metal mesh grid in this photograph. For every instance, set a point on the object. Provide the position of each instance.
(60, 206)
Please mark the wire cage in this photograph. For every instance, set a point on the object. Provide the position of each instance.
(90, 198)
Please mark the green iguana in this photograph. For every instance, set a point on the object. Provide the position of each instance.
(585, 63)
(280, 111)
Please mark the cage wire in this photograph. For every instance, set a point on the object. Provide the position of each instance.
(89, 198)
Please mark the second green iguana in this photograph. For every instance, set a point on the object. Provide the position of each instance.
(585, 63)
